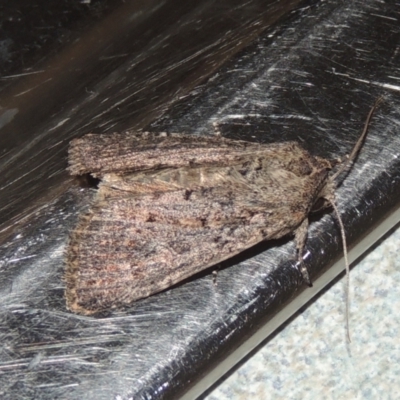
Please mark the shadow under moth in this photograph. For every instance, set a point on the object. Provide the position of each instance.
(171, 205)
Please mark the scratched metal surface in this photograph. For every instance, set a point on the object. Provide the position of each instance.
(264, 73)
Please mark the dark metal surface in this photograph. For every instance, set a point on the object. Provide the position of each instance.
(263, 73)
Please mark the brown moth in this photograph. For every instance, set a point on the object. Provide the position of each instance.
(171, 205)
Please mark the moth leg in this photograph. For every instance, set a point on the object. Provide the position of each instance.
(215, 274)
(300, 237)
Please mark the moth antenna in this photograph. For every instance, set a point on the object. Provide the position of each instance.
(347, 265)
(360, 141)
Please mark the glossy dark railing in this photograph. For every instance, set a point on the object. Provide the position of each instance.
(264, 71)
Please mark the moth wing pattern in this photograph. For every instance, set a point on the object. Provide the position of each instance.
(126, 152)
(148, 230)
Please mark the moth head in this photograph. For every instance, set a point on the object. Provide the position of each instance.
(326, 194)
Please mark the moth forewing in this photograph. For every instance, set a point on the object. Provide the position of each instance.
(170, 206)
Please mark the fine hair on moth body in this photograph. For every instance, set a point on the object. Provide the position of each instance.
(171, 205)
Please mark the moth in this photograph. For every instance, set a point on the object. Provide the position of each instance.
(171, 205)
